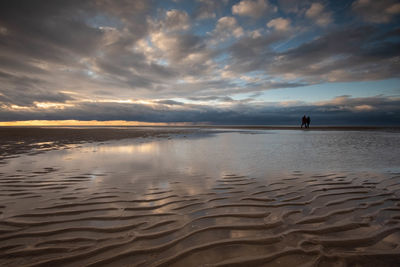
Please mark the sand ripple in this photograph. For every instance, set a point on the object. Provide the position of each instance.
(52, 218)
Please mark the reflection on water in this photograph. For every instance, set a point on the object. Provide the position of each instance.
(230, 152)
(137, 148)
(198, 160)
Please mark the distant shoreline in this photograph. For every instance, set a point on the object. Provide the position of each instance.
(319, 128)
(240, 127)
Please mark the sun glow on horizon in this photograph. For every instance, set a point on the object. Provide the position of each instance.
(86, 123)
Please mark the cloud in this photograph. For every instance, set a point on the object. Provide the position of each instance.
(170, 102)
(253, 53)
(343, 110)
(376, 106)
(293, 7)
(59, 31)
(24, 90)
(393, 9)
(87, 53)
(350, 54)
(383, 11)
(253, 8)
(176, 20)
(317, 13)
(227, 27)
(279, 24)
(208, 9)
(212, 98)
(62, 45)
(179, 49)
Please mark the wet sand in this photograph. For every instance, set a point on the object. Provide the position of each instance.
(311, 128)
(21, 140)
(61, 217)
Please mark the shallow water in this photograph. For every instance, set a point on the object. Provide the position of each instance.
(242, 152)
(240, 197)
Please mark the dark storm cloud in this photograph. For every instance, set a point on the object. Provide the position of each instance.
(47, 30)
(44, 43)
(23, 90)
(212, 98)
(341, 110)
(170, 102)
(27, 98)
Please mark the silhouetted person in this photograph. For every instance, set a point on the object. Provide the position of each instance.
(303, 122)
(308, 120)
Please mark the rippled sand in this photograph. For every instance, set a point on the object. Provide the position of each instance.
(53, 218)
(199, 201)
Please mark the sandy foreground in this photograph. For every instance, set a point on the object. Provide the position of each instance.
(56, 217)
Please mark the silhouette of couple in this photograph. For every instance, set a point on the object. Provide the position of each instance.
(305, 121)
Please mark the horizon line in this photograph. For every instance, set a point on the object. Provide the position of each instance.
(123, 123)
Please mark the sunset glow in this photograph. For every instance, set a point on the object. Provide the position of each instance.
(82, 123)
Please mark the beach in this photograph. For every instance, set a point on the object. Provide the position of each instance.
(199, 196)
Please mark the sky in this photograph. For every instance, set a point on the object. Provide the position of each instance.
(254, 62)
